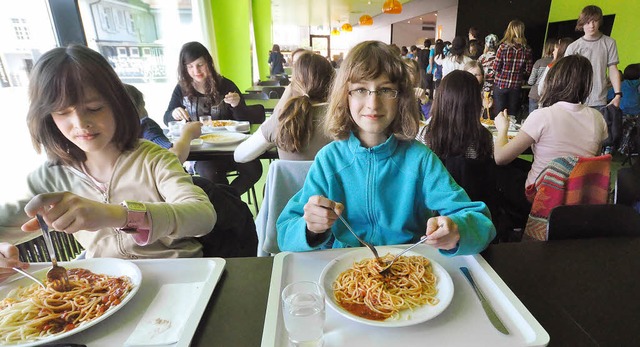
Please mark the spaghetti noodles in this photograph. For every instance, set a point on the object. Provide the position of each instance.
(363, 291)
(33, 313)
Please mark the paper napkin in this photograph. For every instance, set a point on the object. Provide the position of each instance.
(163, 322)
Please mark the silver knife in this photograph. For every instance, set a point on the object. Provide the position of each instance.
(493, 317)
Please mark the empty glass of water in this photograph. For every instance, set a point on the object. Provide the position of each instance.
(304, 313)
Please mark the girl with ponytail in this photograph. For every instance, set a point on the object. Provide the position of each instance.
(296, 130)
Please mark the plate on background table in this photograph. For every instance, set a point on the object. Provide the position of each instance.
(407, 316)
(224, 138)
(106, 266)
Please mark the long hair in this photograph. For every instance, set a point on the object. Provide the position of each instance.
(312, 79)
(588, 14)
(439, 51)
(455, 118)
(189, 52)
(568, 80)
(59, 80)
(514, 33)
(369, 60)
(561, 45)
(549, 45)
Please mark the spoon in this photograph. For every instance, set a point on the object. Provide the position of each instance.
(29, 276)
(57, 275)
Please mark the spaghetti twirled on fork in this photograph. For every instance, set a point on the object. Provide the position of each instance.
(365, 292)
(33, 313)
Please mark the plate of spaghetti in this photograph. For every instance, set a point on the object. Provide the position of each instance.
(31, 315)
(415, 290)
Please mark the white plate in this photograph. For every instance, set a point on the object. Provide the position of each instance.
(225, 138)
(407, 317)
(107, 266)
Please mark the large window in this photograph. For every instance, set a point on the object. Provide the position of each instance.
(140, 38)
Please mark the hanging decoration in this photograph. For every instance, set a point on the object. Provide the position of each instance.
(347, 27)
(335, 31)
(392, 7)
(366, 20)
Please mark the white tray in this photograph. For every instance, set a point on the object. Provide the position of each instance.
(204, 273)
(463, 323)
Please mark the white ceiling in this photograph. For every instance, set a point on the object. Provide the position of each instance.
(327, 12)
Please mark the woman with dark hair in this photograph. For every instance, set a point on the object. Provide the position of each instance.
(296, 130)
(201, 91)
(564, 126)
(456, 58)
(455, 128)
(276, 61)
(559, 49)
(437, 61)
(119, 196)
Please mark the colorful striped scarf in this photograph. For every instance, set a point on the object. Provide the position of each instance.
(566, 181)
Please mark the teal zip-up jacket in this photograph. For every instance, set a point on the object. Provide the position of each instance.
(389, 192)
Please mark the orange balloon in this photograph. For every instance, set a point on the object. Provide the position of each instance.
(366, 20)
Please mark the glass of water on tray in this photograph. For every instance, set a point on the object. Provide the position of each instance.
(304, 313)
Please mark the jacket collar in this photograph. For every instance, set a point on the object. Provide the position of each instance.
(382, 150)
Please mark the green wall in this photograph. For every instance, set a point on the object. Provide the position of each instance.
(261, 12)
(625, 27)
(233, 45)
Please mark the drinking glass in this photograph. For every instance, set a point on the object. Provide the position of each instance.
(215, 112)
(304, 313)
(205, 120)
(175, 128)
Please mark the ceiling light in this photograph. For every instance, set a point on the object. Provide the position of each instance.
(366, 20)
(392, 7)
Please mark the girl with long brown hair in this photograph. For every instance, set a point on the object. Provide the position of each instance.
(296, 131)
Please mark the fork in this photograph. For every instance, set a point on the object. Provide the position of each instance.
(388, 264)
(29, 276)
(57, 275)
(367, 244)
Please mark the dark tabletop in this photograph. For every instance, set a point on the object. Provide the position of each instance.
(583, 292)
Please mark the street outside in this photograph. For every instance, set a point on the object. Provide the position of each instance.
(18, 155)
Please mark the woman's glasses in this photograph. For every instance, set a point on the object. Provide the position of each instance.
(384, 93)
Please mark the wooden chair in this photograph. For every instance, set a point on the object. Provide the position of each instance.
(586, 221)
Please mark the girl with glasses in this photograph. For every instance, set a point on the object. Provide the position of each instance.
(391, 188)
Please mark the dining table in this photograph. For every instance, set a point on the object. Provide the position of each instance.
(206, 151)
(583, 292)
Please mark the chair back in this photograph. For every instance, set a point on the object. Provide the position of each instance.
(567, 181)
(255, 114)
(274, 92)
(256, 96)
(284, 180)
(586, 221)
(269, 83)
(234, 234)
(65, 246)
(627, 187)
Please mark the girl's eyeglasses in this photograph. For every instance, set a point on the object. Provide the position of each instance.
(384, 93)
